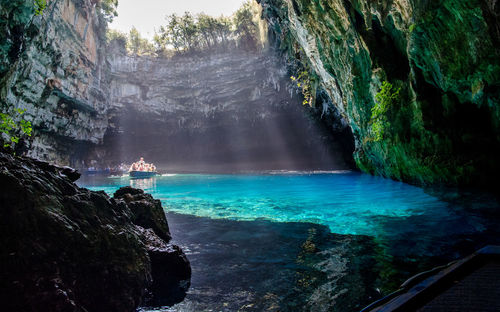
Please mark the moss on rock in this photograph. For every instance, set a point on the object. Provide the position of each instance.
(443, 55)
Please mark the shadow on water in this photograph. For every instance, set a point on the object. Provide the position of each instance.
(470, 223)
(270, 266)
(292, 260)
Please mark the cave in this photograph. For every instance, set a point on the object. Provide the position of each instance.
(243, 118)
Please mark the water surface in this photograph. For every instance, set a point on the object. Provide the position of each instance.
(309, 241)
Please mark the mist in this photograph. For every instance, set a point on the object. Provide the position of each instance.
(231, 112)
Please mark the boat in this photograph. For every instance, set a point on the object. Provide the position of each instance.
(142, 170)
(142, 174)
(95, 171)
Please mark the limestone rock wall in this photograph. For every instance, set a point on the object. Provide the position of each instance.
(53, 66)
(444, 55)
(230, 111)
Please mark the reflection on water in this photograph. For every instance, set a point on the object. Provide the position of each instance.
(148, 185)
(310, 242)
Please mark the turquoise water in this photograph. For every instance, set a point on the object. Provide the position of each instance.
(249, 237)
(346, 202)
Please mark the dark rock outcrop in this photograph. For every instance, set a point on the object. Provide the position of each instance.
(146, 211)
(170, 282)
(66, 248)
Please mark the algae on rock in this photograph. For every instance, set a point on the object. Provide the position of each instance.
(444, 55)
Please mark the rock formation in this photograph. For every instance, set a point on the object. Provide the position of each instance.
(442, 127)
(66, 248)
(53, 65)
(220, 111)
(217, 110)
(444, 55)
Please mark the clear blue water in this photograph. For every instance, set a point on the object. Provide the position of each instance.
(245, 235)
(346, 202)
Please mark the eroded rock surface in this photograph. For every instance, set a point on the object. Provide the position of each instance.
(66, 248)
(53, 65)
(228, 111)
(443, 55)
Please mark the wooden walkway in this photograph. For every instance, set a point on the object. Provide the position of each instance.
(469, 285)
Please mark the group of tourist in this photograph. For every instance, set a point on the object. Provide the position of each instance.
(141, 165)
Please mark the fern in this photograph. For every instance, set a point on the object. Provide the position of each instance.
(384, 99)
(40, 6)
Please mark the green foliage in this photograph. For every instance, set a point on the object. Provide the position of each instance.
(190, 33)
(40, 6)
(138, 45)
(116, 37)
(132, 42)
(304, 83)
(213, 31)
(13, 127)
(384, 99)
(245, 27)
(108, 9)
(181, 32)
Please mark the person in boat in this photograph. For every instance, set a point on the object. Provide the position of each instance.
(134, 167)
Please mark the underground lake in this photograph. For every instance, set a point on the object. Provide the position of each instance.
(250, 155)
(321, 241)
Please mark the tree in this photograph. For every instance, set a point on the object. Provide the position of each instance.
(117, 38)
(207, 30)
(171, 34)
(107, 8)
(181, 33)
(223, 29)
(189, 31)
(138, 45)
(161, 41)
(245, 27)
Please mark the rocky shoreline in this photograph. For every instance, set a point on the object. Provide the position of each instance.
(66, 248)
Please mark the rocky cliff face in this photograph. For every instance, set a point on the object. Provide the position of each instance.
(52, 65)
(236, 109)
(221, 112)
(444, 55)
(65, 248)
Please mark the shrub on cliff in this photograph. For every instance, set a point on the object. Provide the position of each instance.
(40, 6)
(13, 127)
(107, 8)
(384, 99)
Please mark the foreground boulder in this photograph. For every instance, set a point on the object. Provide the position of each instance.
(170, 282)
(66, 248)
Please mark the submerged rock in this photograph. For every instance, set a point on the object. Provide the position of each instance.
(66, 248)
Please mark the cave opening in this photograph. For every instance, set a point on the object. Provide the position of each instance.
(184, 118)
